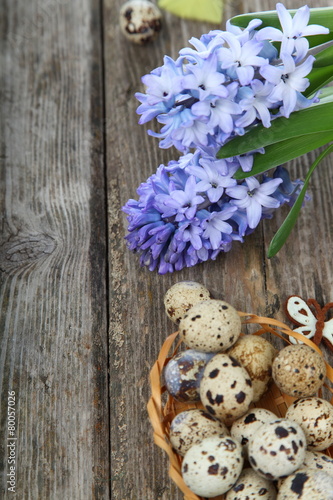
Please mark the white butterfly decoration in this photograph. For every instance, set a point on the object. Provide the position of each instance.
(311, 324)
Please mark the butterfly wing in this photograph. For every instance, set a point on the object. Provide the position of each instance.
(328, 331)
(300, 313)
(303, 330)
(200, 10)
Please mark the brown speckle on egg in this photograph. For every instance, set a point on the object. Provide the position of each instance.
(318, 461)
(311, 370)
(276, 436)
(182, 296)
(315, 416)
(191, 427)
(305, 484)
(214, 329)
(256, 354)
(140, 21)
(209, 479)
(227, 392)
(183, 373)
(250, 485)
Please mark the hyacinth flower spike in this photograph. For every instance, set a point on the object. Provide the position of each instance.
(226, 87)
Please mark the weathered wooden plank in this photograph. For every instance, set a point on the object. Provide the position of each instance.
(53, 260)
(244, 277)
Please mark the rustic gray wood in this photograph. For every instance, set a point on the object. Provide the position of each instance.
(81, 323)
(53, 250)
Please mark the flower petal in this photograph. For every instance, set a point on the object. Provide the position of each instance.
(285, 19)
(253, 213)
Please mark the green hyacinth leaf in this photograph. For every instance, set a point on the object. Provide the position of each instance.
(322, 71)
(284, 151)
(323, 55)
(317, 118)
(285, 229)
(319, 77)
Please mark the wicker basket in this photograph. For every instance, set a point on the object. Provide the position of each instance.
(162, 410)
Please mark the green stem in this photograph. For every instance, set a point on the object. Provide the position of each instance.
(285, 229)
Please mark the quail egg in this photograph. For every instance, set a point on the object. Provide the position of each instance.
(183, 373)
(250, 485)
(245, 427)
(192, 426)
(256, 354)
(278, 449)
(298, 370)
(315, 416)
(225, 388)
(212, 467)
(307, 484)
(182, 296)
(318, 461)
(140, 21)
(210, 326)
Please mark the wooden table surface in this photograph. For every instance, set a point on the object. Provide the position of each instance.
(81, 322)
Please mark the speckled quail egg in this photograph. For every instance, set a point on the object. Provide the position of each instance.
(318, 461)
(192, 426)
(225, 388)
(183, 373)
(182, 296)
(278, 449)
(250, 485)
(245, 427)
(140, 21)
(307, 484)
(315, 416)
(256, 354)
(298, 370)
(210, 326)
(212, 467)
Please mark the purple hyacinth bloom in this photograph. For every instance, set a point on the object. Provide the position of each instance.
(243, 34)
(246, 160)
(184, 234)
(253, 196)
(254, 101)
(289, 81)
(215, 225)
(203, 47)
(204, 80)
(147, 111)
(240, 60)
(228, 82)
(288, 190)
(190, 231)
(294, 29)
(164, 82)
(211, 181)
(184, 203)
(181, 130)
(219, 113)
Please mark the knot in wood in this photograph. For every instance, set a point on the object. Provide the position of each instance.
(24, 249)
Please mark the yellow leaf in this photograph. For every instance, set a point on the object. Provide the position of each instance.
(199, 10)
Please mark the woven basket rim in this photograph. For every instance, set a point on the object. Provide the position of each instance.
(161, 414)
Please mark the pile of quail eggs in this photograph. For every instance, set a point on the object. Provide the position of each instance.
(231, 447)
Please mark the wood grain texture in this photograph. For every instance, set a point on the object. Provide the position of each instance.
(244, 277)
(68, 123)
(52, 248)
